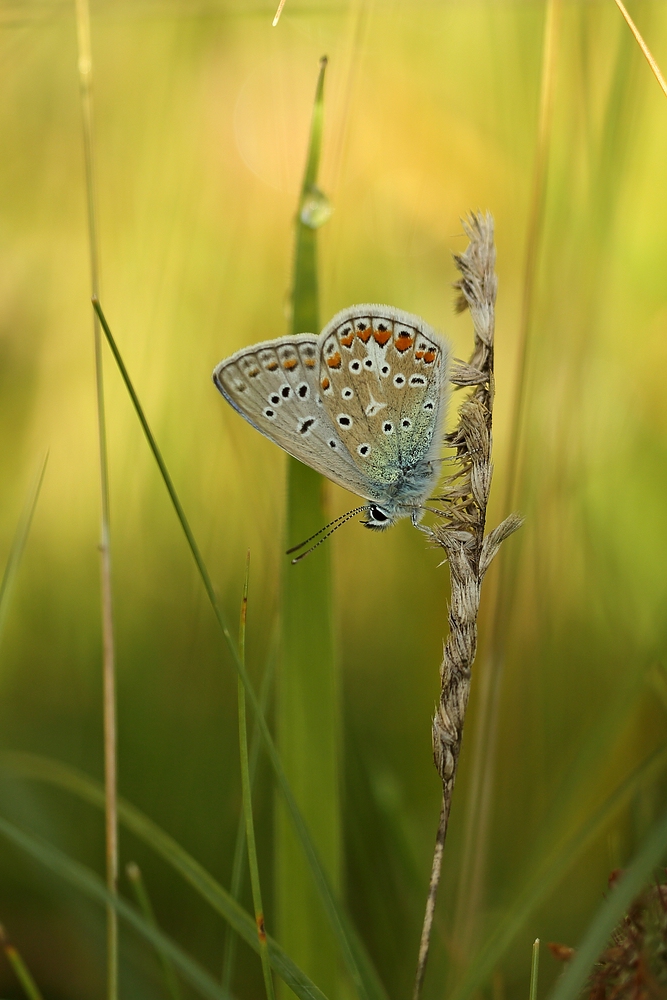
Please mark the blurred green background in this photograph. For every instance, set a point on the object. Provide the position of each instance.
(431, 109)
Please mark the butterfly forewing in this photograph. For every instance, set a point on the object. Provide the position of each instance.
(275, 386)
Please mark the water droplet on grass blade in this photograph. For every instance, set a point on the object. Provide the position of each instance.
(316, 208)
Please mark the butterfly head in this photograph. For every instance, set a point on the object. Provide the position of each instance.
(379, 517)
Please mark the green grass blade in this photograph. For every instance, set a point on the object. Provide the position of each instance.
(356, 961)
(19, 543)
(612, 910)
(534, 967)
(92, 886)
(146, 907)
(308, 718)
(553, 869)
(229, 953)
(69, 779)
(21, 970)
(247, 805)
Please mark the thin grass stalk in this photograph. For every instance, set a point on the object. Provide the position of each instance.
(21, 970)
(144, 902)
(643, 46)
(236, 883)
(354, 955)
(308, 719)
(477, 816)
(108, 645)
(534, 968)
(18, 544)
(247, 803)
(462, 535)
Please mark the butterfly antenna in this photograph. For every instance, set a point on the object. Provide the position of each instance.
(325, 532)
(337, 521)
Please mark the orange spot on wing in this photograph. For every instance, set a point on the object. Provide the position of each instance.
(381, 336)
(364, 335)
(261, 932)
(272, 365)
(419, 355)
(403, 342)
(253, 373)
(347, 340)
(290, 364)
(325, 383)
(429, 357)
(309, 362)
(334, 361)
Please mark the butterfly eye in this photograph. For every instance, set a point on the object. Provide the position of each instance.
(378, 515)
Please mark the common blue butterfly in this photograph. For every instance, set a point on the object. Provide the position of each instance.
(363, 403)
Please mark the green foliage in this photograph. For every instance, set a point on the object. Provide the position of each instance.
(308, 725)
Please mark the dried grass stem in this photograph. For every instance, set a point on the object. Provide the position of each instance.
(461, 530)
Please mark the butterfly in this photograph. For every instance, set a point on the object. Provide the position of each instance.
(363, 403)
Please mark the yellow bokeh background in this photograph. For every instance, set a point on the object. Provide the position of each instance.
(431, 110)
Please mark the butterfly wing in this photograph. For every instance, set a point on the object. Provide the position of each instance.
(275, 387)
(383, 382)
